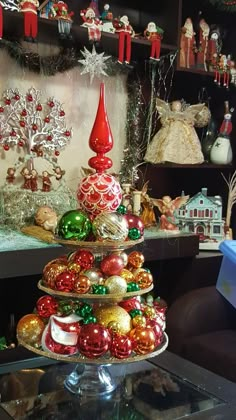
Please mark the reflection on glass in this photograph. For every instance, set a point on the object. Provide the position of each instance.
(145, 392)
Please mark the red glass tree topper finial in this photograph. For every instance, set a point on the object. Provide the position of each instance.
(101, 139)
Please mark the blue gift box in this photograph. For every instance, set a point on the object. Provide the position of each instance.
(226, 282)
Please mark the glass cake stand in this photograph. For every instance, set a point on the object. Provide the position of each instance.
(92, 376)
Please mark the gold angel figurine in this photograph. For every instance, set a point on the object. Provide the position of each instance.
(177, 140)
(168, 207)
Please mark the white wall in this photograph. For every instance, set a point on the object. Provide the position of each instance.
(80, 99)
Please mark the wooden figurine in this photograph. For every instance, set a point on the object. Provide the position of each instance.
(125, 32)
(93, 24)
(30, 8)
(154, 34)
(46, 217)
(214, 47)
(34, 180)
(46, 182)
(202, 50)
(10, 178)
(168, 208)
(177, 140)
(147, 208)
(27, 178)
(187, 45)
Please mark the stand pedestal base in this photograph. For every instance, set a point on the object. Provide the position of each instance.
(90, 380)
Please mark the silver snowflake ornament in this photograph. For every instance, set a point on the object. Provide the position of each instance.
(93, 63)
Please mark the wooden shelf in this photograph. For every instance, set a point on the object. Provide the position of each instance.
(195, 71)
(48, 34)
(204, 165)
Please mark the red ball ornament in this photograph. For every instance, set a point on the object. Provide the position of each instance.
(112, 265)
(65, 281)
(84, 258)
(47, 119)
(94, 340)
(157, 330)
(6, 147)
(1, 109)
(67, 133)
(24, 113)
(7, 101)
(135, 222)
(39, 107)
(17, 97)
(98, 193)
(34, 127)
(130, 304)
(22, 123)
(62, 113)
(46, 306)
(51, 104)
(121, 346)
(29, 98)
(21, 143)
(13, 133)
(51, 271)
(49, 137)
(57, 153)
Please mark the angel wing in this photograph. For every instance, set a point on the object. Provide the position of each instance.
(180, 201)
(159, 203)
(193, 110)
(162, 107)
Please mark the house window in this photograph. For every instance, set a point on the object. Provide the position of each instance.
(191, 227)
(211, 213)
(195, 212)
(200, 201)
(216, 229)
(191, 213)
(207, 213)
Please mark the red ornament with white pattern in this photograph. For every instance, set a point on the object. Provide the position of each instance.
(99, 192)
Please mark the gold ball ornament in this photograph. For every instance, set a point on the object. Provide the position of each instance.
(136, 259)
(114, 313)
(202, 118)
(73, 266)
(116, 284)
(144, 279)
(127, 275)
(82, 284)
(95, 275)
(114, 327)
(144, 340)
(139, 321)
(50, 273)
(30, 329)
(150, 312)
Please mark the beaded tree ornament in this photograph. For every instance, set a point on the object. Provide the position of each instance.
(100, 191)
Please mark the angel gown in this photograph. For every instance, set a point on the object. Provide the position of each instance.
(177, 140)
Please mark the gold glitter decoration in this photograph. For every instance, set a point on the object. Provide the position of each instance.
(30, 328)
(110, 313)
(127, 275)
(116, 284)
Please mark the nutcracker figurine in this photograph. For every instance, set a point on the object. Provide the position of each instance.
(29, 8)
(187, 45)
(125, 31)
(222, 70)
(214, 47)
(154, 34)
(93, 24)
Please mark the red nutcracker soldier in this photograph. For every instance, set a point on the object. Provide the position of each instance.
(187, 45)
(125, 31)
(29, 8)
(93, 24)
(154, 34)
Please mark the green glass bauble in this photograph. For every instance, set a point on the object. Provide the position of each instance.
(99, 289)
(74, 224)
(134, 234)
(132, 287)
(134, 312)
(90, 320)
(121, 209)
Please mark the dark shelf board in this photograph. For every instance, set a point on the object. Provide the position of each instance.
(195, 71)
(204, 165)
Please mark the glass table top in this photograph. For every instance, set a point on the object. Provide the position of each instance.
(144, 392)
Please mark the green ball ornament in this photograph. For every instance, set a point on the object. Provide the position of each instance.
(90, 320)
(85, 310)
(132, 287)
(99, 289)
(74, 224)
(134, 312)
(65, 308)
(134, 234)
(121, 209)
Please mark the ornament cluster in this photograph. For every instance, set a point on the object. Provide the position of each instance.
(106, 226)
(120, 331)
(83, 272)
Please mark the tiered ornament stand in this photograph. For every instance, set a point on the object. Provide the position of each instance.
(91, 377)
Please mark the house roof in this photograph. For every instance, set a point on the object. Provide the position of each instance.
(216, 200)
